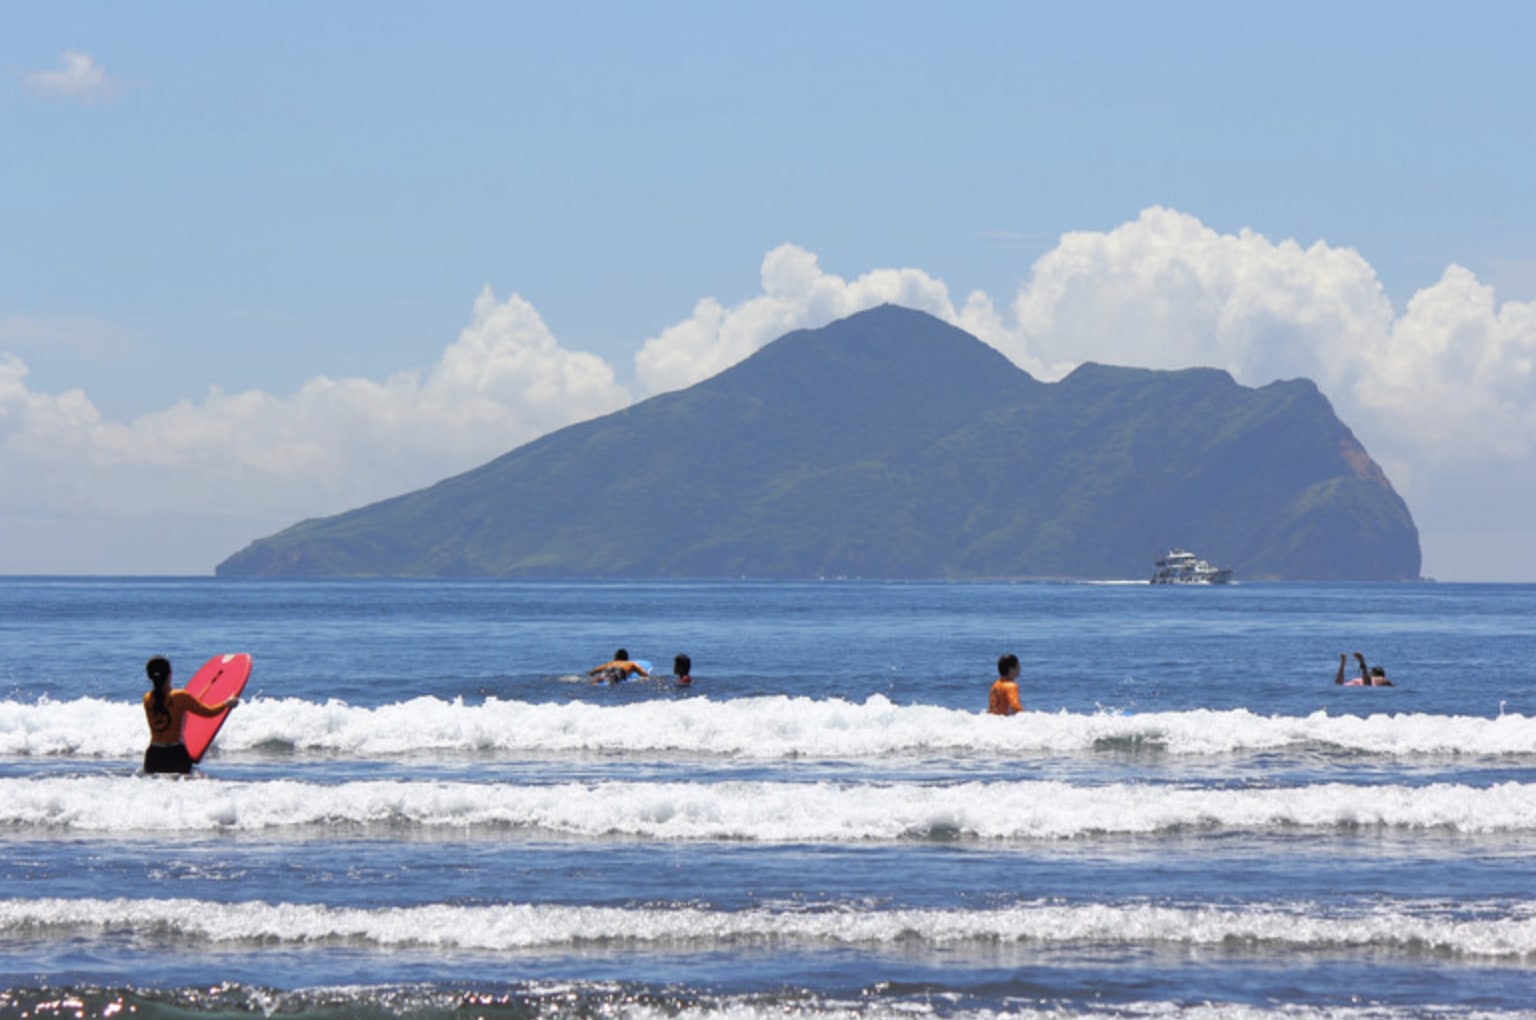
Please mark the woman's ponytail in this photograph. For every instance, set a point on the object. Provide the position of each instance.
(158, 669)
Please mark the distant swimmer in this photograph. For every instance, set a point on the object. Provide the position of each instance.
(1004, 698)
(619, 669)
(166, 709)
(1373, 676)
(682, 668)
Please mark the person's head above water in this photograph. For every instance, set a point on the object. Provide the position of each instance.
(1378, 671)
(622, 655)
(682, 666)
(1007, 664)
(158, 669)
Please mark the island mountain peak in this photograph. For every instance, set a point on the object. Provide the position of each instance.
(892, 444)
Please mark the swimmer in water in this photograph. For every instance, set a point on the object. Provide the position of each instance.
(682, 668)
(1372, 676)
(618, 669)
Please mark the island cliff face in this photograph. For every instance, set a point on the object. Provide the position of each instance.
(892, 445)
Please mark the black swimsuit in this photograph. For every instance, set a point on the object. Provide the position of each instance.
(167, 758)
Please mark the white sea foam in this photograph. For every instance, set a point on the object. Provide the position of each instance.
(772, 812)
(1407, 926)
(618, 1001)
(624, 1004)
(937, 1006)
(763, 728)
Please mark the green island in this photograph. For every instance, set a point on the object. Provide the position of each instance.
(892, 445)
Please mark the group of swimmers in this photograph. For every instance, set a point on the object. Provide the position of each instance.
(1003, 699)
(621, 667)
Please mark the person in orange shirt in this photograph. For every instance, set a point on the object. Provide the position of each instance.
(1004, 699)
(165, 709)
(618, 669)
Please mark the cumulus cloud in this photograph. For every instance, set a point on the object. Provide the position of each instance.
(77, 77)
(331, 445)
(1163, 291)
(1448, 377)
(797, 294)
(1453, 377)
(1166, 291)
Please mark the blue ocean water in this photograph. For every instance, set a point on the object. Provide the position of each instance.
(423, 809)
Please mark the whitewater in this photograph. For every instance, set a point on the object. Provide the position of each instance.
(421, 808)
(1408, 928)
(760, 812)
(756, 728)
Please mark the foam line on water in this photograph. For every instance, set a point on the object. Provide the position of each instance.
(1409, 927)
(557, 1000)
(758, 728)
(756, 811)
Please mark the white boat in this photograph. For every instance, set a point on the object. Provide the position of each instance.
(1182, 567)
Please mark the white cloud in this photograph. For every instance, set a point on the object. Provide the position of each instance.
(797, 294)
(1448, 377)
(332, 445)
(77, 77)
(1165, 291)
(1453, 379)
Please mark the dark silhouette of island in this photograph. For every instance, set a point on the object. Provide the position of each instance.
(892, 445)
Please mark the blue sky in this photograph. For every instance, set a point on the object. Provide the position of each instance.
(268, 261)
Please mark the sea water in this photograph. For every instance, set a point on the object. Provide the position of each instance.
(421, 808)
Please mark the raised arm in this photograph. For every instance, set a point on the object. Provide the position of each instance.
(192, 703)
(1343, 660)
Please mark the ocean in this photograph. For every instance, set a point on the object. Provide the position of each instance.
(422, 809)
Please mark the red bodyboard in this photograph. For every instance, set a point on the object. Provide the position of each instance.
(221, 677)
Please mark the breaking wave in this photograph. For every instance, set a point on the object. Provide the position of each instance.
(1406, 927)
(752, 811)
(761, 728)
